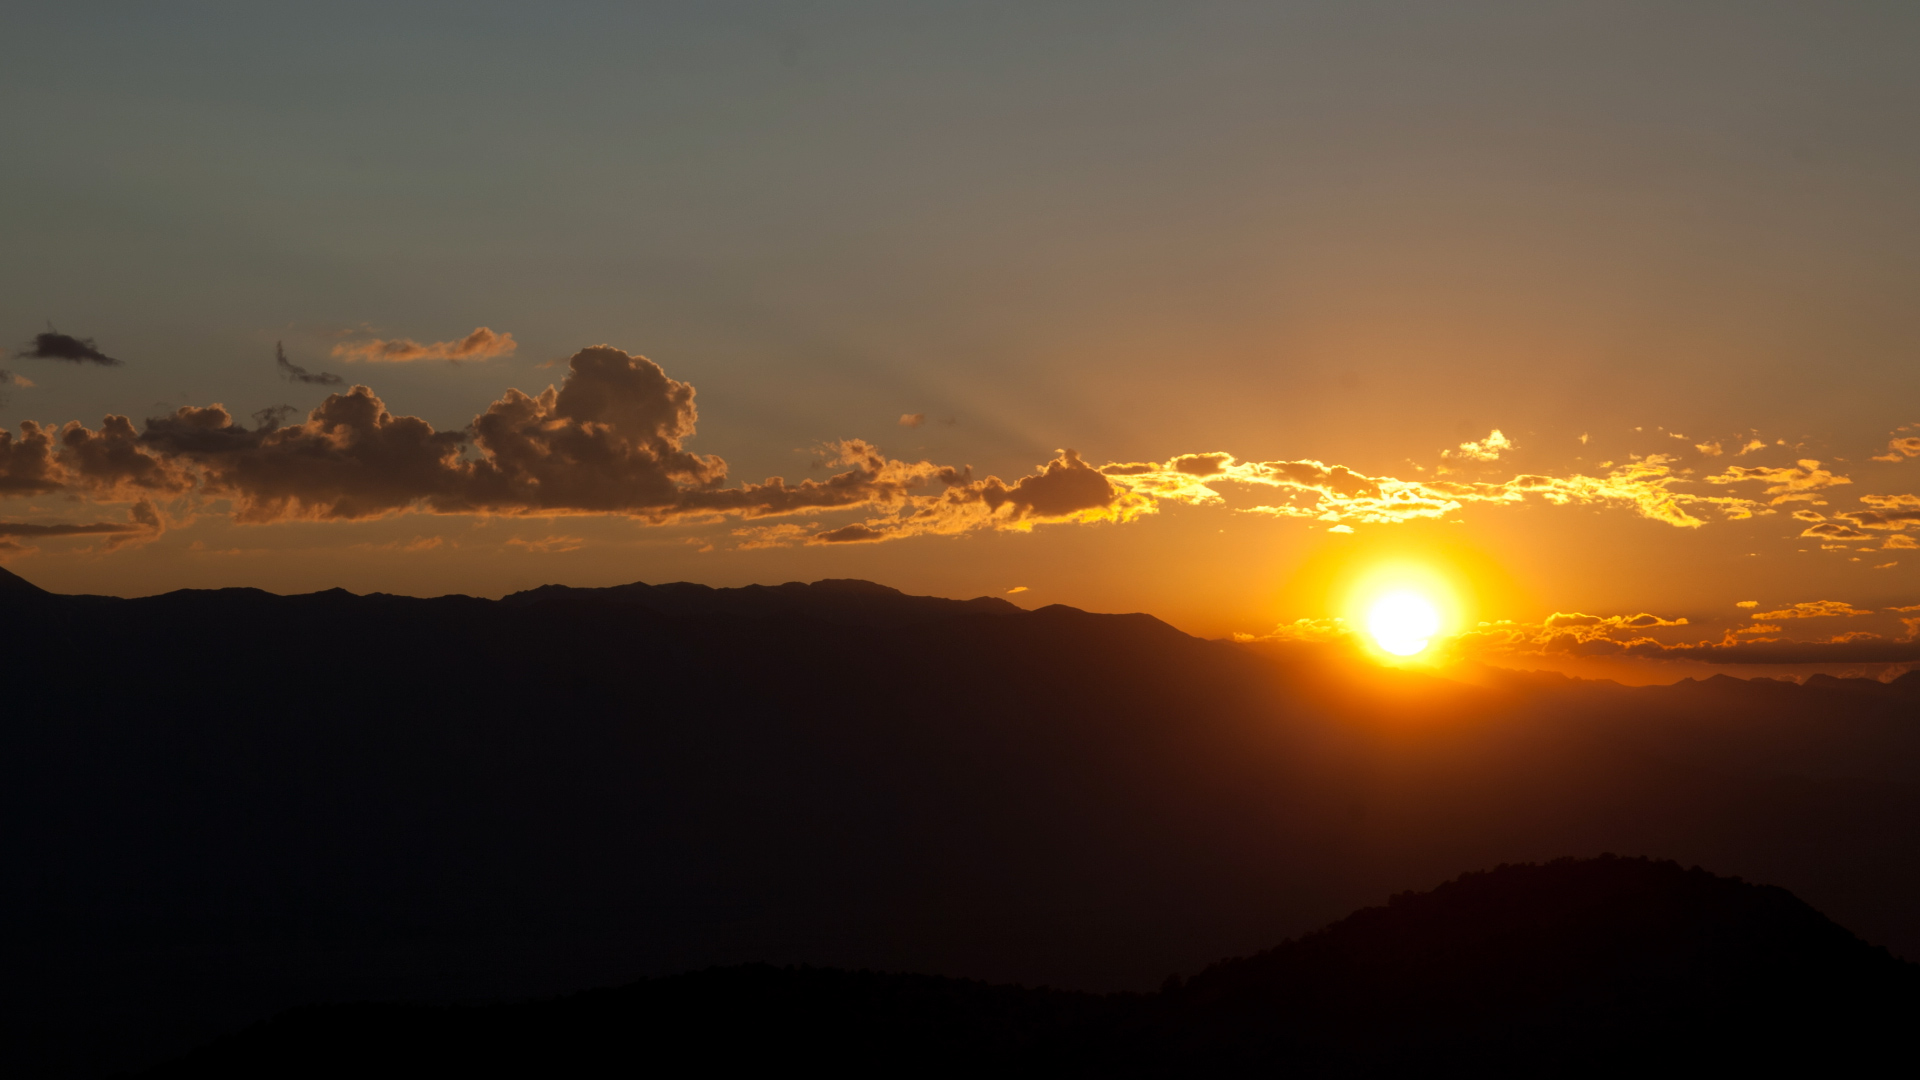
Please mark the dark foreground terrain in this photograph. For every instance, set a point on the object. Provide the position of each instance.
(1599, 966)
(216, 806)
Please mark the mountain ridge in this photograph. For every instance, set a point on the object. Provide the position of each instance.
(1569, 967)
(219, 804)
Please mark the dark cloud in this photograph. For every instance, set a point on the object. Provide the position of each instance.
(295, 373)
(53, 345)
(20, 529)
(351, 458)
(27, 465)
(855, 533)
(1062, 488)
(143, 523)
(609, 439)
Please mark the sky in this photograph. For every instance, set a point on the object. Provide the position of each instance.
(1587, 318)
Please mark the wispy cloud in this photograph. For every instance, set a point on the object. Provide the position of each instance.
(482, 344)
(295, 373)
(144, 522)
(1813, 609)
(1800, 483)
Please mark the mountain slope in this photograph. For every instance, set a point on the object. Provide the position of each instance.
(219, 804)
(1578, 966)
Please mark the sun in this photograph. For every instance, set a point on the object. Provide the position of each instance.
(1402, 622)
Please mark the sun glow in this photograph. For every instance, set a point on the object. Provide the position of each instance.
(1403, 622)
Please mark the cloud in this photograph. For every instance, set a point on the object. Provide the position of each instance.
(551, 545)
(612, 439)
(855, 533)
(482, 344)
(1016, 589)
(1784, 484)
(1834, 530)
(1747, 603)
(774, 536)
(298, 374)
(912, 419)
(1814, 609)
(1335, 494)
(53, 345)
(18, 529)
(1900, 448)
(1577, 635)
(608, 440)
(1487, 449)
(143, 523)
(1887, 512)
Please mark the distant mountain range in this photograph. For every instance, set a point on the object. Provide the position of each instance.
(222, 804)
(1598, 967)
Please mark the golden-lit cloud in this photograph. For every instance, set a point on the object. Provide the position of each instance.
(1892, 512)
(1487, 449)
(610, 439)
(1813, 609)
(1901, 447)
(912, 419)
(1799, 483)
(1576, 635)
(482, 344)
(1339, 495)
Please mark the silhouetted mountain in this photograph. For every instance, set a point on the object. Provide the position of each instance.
(11, 582)
(216, 805)
(1596, 966)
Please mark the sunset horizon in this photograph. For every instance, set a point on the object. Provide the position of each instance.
(1327, 537)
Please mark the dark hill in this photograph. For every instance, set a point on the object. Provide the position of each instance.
(217, 805)
(1591, 966)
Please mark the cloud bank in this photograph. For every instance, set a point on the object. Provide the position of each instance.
(611, 439)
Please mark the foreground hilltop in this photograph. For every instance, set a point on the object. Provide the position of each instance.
(221, 804)
(1578, 966)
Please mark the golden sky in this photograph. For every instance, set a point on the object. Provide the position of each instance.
(1592, 323)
